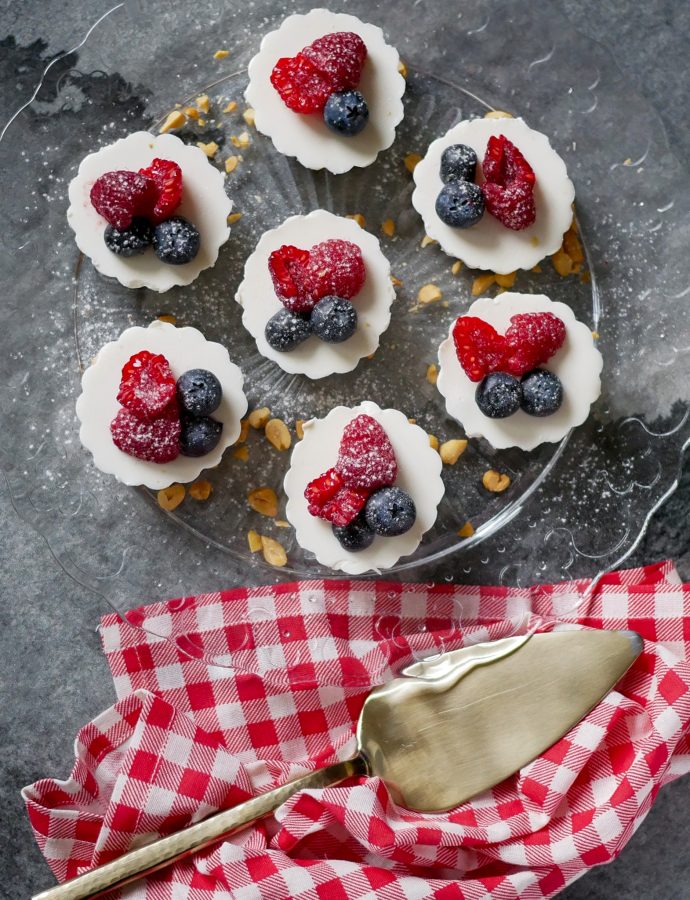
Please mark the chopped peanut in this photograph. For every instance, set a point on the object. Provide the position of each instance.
(562, 263)
(171, 320)
(411, 161)
(174, 120)
(432, 373)
(482, 283)
(209, 149)
(429, 293)
(497, 114)
(241, 453)
(281, 523)
(203, 103)
(274, 553)
(191, 112)
(495, 481)
(254, 541)
(231, 163)
(234, 217)
(506, 281)
(396, 282)
(257, 418)
(278, 434)
(299, 429)
(433, 442)
(201, 490)
(231, 107)
(263, 500)
(536, 268)
(451, 451)
(244, 431)
(359, 219)
(466, 531)
(242, 141)
(171, 497)
(402, 68)
(456, 267)
(573, 247)
(412, 421)
(426, 241)
(248, 115)
(388, 228)
(221, 54)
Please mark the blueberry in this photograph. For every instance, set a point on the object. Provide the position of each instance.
(334, 320)
(460, 204)
(346, 112)
(458, 163)
(130, 241)
(498, 395)
(542, 393)
(199, 435)
(356, 536)
(285, 330)
(176, 241)
(390, 511)
(199, 392)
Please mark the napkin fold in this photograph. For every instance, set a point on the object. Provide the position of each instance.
(186, 738)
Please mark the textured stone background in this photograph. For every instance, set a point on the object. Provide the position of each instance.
(37, 722)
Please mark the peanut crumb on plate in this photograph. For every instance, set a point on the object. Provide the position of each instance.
(221, 54)
(203, 103)
(248, 115)
(263, 500)
(482, 283)
(209, 149)
(274, 552)
(429, 293)
(396, 282)
(359, 219)
(388, 228)
(506, 281)
(231, 163)
(498, 114)
(494, 481)
(299, 429)
(234, 217)
(427, 241)
(466, 531)
(241, 453)
(281, 523)
(411, 161)
(170, 497)
(175, 119)
(278, 434)
(230, 107)
(257, 418)
(191, 112)
(254, 541)
(201, 490)
(433, 442)
(402, 68)
(171, 320)
(432, 373)
(452, 450)
(456, 267)
(241, 141)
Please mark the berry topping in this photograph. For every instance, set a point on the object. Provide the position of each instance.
(339, 57)
(479, 347)
(199, 392)
(167, 178)
(509, 184)
(458, 163)
(147, 386)
(130, 241)
(333, 320)
(532, 339)
(336, 268)
(155, 441)
(366, 458)
(120, 196)
(329, 498)
(288, 266)
(286, 330)
(498, 395)
(346, 113)
(176, 241)
(542, 393)
(199, 435)
(504, 163)
(390, 512)
(356, 536)
(460, 204)
(302, 87)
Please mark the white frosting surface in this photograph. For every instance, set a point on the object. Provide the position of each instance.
(259, 301)
(578, 364)
(419, 473)
(307, 137)
(489, 244)
(204, 204)
(97, 406)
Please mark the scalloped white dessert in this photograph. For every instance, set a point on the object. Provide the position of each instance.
(419, 473)
(489, 244)
(577, 364)
(306, 137)
(97, 405)
(259, 301)
(204, 204)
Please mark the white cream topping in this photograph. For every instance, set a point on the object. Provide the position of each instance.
(489, 244)
(307, 137)
(578, 364)
(419, 473)
(259, 301)
(97, 406)
(204, 204)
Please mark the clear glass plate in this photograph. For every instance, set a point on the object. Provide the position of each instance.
(576, 509)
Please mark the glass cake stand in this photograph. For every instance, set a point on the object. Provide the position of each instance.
(573, 509)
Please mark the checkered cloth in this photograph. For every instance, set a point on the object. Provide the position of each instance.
(187, 738)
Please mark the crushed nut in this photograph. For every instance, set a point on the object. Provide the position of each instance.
(498, 114)
(244, 431)
(221, 54)
(274, 553)
(495, 481)
(562, 263)
(572, 246)
(231, 107)
(231, 163)
(466, 531)
(242, 141)
(257, 418)
(299, 429)
(234, 217)
(248, 115)
(396, 282)
(203, 102)
(452, 450)
(241, 453)
(456, 267)
(426, 241)
(412, 421)
(201, 490)
(429, 293)
(191, 112)
(536, 268)
(433, 442)
(264, 500)
(281, 523)
(278, 434)
(506, 281)
(171, 497)
(171, 320)
(402, 68)
(175, 119)
(482, 283)
(432, 373)
(411, 161)
(202, 122)
(254, 541)
(359, 219)
(388, 228)
(209, 149)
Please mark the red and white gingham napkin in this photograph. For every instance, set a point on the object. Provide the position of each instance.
(187, 738)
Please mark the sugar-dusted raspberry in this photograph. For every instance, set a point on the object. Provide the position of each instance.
(329, 498)
(301, 86)
(503, 163)
(120, 196)
(167, 177)
(531, 340)
(339, 57)
(366, 458)
(289, 268)
(147, 386)
(512, 205)
(336, 268)
(156, 440)
(479, 347)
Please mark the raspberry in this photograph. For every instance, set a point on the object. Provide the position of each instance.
(479, 347)
(366, 459)
(147, 385)
(504, 163)
(120, 196)
(167, 178)
(154, 441)
(301, 86)
(336, 268)
(339, 58)
(328, 498)
(289, 270)
(531, 340)
(513, 205)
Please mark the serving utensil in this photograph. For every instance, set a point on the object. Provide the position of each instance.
(447, 729)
